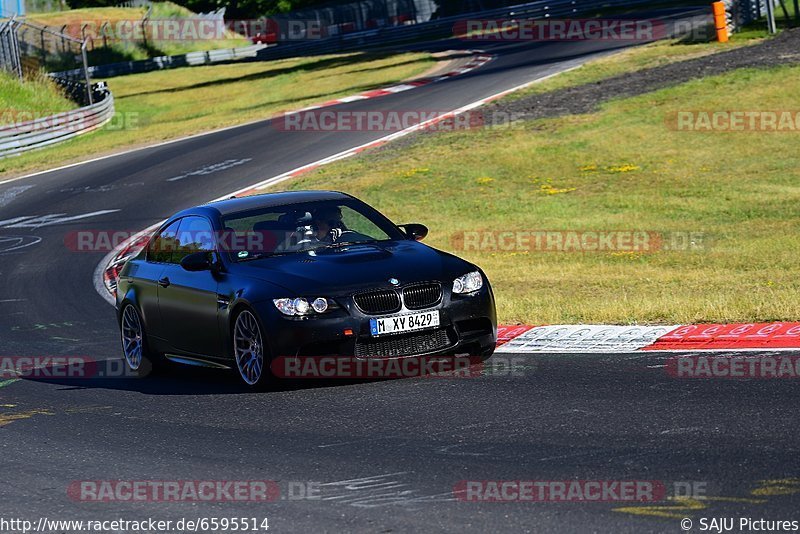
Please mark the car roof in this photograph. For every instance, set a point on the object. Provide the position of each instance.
(266, 200)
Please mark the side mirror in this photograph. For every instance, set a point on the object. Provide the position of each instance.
(198, 261)
(415, 231)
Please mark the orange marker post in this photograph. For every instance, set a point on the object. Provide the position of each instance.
(720, 22)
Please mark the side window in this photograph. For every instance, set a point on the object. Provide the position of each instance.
(194, 235)
(164, 244)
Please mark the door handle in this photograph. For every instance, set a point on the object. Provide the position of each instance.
(164, 282)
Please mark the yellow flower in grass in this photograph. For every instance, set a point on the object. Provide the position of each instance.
(627, 167)
(631, 255)
(547, 189)
(588, 168)
(484, 180)
(413, 172)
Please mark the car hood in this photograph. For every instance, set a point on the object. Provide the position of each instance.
(335, 271)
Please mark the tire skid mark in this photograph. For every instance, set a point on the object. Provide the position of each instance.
(684, 505)
(7, 196)
(8, 418)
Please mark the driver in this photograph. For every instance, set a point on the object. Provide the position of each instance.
(328, 222)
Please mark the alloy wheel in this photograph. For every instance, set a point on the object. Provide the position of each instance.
(132, 337)
(248, 348)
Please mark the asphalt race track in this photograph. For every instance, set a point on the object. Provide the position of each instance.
(381, 456)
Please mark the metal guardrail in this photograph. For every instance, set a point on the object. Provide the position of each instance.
(9, 48)
(43, 132)
(164, 62)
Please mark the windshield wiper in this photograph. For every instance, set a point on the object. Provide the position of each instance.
(262, 255)
(345, 243)
(253, 257)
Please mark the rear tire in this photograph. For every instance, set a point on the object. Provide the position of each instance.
(138, 358)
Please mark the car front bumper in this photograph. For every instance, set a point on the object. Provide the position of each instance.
(467, 326)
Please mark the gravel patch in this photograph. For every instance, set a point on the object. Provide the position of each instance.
(782, 50)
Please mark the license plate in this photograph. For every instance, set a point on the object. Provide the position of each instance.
(403, 323)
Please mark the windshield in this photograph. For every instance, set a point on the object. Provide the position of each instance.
(303, 227)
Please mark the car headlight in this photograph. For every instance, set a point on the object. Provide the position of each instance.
(302, 306)
(468, 283)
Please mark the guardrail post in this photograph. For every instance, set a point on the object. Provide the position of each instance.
(16, 57)
(144, 24)
(89, 97)
(44, 46)
(771, 28)
(83, 36)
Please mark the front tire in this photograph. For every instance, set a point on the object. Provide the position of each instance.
(138, 358)
(249, 350)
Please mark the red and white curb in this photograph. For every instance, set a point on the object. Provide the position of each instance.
(621, 339)
(478, 60)
(107, 271)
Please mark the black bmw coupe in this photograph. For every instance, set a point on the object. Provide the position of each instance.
(239, 282)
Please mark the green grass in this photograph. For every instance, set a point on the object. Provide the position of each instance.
(621, 168)
(162, 105)
(37, 96)
(168, 10)
(75, 17)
